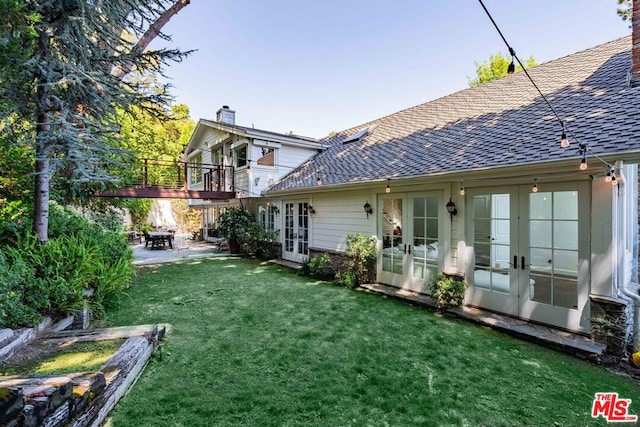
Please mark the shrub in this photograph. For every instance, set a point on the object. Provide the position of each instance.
(22, 296)
(110, 220)
(361, 264)
(318, 267)
(50, 279)
(14, 221)
(448, 291)
(233, 225)
(257, 241)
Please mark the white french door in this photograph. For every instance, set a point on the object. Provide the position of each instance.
(410, 226)
(295, 245)
(530, 252)
(492, 222)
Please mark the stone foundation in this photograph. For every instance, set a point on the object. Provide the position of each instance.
(609, 320)
(336, 263)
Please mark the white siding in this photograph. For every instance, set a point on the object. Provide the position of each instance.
(286, 158)
(291, 157)
(339, 214)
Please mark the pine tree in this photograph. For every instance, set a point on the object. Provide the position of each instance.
(72, 78)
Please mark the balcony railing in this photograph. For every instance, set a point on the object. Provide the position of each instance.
(219, 178)
(163, 178)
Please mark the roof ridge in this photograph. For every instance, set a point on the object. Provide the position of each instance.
(241, 127)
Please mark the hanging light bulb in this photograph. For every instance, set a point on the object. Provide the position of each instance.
(534, 189)
(512, 67)
(564, 141)
(388, 189)
(614, 180)
(318, 181)
(583, 162)
(607, 178)
(461, 188)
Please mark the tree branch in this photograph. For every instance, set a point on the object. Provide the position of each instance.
(152, 32)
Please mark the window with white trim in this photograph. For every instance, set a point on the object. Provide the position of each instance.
(195, 168)
(240, 156)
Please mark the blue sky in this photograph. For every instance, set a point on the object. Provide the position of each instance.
(312, 67)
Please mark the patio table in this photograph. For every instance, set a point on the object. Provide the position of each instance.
(161, 237)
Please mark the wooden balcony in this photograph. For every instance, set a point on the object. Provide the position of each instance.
(159, 179)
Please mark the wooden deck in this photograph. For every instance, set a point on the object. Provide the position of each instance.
(168, 193)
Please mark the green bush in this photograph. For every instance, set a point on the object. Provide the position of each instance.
(51, 278)
(110, 220)
(233, 224)
(22, 296)
(14, 221)
(319, 267)
(361, 263)
(448, 291)
(258, 242)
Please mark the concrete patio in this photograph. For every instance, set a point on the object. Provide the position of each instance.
(183, 249)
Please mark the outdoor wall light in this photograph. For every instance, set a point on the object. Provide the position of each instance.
(275, 210)
(368, 209)
(451, 208)
(310, 209)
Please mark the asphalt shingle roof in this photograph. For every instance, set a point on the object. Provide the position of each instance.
(496, 124)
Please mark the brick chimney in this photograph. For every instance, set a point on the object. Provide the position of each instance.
(227, 115)
(635, 44)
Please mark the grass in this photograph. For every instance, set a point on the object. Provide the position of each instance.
(256, 344)
(79, 357)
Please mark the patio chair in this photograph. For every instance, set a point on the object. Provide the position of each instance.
(155, 242)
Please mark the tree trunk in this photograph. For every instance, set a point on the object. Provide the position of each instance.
(42, 180)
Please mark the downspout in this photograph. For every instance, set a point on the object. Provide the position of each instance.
(621, 237)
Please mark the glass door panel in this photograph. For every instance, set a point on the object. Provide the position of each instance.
(393, 246)
(303, 228)
(425, 261)
(289, 229)
(553, 248)
(492, 242)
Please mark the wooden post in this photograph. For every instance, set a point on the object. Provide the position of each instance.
(145, 182)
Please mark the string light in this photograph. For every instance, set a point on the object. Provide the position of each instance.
(583, 162)
(318, 181)
(564, 141)
(614, 180)
(608, 178)
(388, 189)
(461, 188)
(534, 189)
(512, 67)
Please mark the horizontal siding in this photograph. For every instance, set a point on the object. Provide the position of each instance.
(338, 215)
(291, 157)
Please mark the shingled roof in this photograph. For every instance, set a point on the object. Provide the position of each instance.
(496, 124)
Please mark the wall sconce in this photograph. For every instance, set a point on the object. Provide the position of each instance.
(310, 209)
(275, 210)
(451, 208)
(368, 209)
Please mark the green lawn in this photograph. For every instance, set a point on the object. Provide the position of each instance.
(256, 344)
